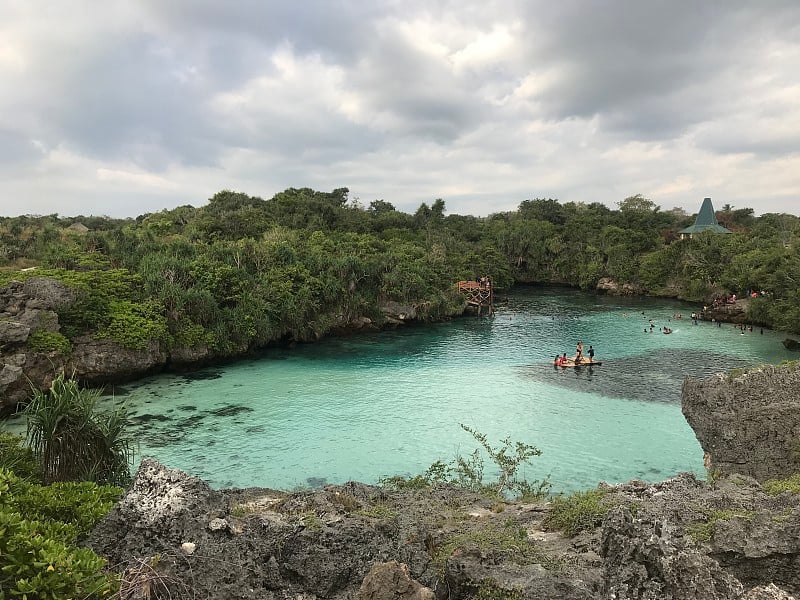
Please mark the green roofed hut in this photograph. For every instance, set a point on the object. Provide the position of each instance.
(706, 221)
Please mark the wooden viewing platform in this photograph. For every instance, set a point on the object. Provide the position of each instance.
(478, 294)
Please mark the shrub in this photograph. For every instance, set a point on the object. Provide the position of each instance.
(38, 556)
(468, 472)
(49, 341)
(135, 325)
(577, 512)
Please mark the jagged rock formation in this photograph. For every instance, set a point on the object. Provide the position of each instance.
(680, 539)
(727, 313)
(748, 422)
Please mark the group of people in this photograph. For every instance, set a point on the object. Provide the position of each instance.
(562, 360)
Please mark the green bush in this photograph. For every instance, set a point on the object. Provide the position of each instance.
(134, 325)
(577, 512)
(49, 341)
(81, 504)
(38, 555)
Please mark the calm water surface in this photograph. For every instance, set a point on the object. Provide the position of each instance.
(375, 405)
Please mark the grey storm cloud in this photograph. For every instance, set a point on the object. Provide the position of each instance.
(482, 103)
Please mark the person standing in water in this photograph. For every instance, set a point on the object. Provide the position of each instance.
(591, 353)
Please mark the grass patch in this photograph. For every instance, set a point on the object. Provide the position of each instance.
(509, 542)
(702, 532)
(489, 589)
(378, 511)
(310, 520)
(577, 512)
(777, 486)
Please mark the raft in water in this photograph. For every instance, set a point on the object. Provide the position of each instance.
(583, 363)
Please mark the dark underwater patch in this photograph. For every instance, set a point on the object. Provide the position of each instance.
(164, 438)
(316, 482)
(148, 418)
(190, 422)
(230, 410)
(201, 375)
(186, 407)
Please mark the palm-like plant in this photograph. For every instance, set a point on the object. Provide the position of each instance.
(72, 441)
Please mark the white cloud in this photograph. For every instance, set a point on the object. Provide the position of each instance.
(121, 108)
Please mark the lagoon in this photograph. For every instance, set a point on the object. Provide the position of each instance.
(382, 404)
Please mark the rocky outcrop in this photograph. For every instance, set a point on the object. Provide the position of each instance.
(392, 581)
(612, 287)
(103, 360)
(681, 539)
(648, 557)
(727, 313)
(748, 422)
(395, 313)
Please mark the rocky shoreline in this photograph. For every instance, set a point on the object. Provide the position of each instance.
(33, 305)
(732, 537)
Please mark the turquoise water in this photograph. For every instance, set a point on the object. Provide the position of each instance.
(375, 405)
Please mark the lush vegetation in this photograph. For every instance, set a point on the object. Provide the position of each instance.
(39, 529)
(241, 272)
(51, 495)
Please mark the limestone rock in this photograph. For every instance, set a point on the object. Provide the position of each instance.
(47, 294)
(645, 560)
(747, 422)
(395, 313)
(13, 332)
(610, 286)
(100, 360)
(187, 356)
(392, 581)
(768, 592)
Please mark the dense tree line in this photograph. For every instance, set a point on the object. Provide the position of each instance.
(241, 271)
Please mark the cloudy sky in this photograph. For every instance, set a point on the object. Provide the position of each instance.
(124, 107)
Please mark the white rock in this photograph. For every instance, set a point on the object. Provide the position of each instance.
(188, 548)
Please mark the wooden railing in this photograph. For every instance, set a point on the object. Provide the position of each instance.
(478, 294)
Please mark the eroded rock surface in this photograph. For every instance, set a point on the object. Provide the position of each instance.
(677, 539)
(748, 422)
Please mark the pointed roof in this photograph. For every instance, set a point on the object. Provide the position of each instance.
(706, 221)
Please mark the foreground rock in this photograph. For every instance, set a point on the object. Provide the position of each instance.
(748, 422)
(679, 539)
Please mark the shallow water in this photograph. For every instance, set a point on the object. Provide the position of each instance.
(383, 404)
